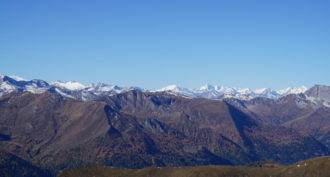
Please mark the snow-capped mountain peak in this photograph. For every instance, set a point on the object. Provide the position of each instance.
(79, 91)
(173, 88)
(292, 90)
(262, 90)
(177, 90)
(214, 91)
(105, 88)
(208, 87)
(71, 85)
(245, 91)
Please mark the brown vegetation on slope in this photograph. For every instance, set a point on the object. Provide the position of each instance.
(319, 167)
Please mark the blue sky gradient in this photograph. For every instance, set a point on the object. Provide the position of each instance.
(154, 43)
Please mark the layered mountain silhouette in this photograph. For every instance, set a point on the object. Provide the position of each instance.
(53, 129)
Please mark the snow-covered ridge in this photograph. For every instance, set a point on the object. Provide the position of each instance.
(214, 91)
(17, 78)
(293, 90)
(73, 89)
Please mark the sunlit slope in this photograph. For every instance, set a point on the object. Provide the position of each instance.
(319, 167)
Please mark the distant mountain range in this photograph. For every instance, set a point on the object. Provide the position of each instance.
(79, 91)
(62, 125)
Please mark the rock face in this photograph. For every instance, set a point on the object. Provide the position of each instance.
(138, 129)
(320, 92)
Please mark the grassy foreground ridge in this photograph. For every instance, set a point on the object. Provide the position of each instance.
(317, 167)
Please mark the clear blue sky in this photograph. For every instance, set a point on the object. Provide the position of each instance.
(154, 43)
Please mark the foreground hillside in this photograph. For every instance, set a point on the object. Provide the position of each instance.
(13, 166)
(319, 167)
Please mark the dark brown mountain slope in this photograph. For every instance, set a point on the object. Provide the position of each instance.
(41, 128)
(292, 111)
(137, 129)
(275, 112)
(13, 166)
(217, 117)
(316, 123)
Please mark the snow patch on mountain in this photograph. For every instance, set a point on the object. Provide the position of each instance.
(63, 94)
(292, 90)
(17, 78)
(326, 104)
(34, 89)
(177, 90)
(71, 85)
(105, 88)
(7, 87)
